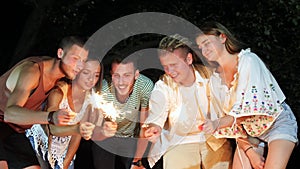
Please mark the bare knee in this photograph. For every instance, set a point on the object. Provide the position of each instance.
(3, 165)
(33, 167)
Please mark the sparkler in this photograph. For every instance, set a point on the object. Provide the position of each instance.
(200, 126)
(98, 102)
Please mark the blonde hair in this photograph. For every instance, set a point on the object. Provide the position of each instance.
(176, 41)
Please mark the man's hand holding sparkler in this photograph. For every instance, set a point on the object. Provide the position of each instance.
(61, 117)
(152, 132)
(209, 126)
(109, 128)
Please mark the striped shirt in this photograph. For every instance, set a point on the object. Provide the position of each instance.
(129, 111)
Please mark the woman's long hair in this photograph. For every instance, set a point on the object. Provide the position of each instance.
(232, 44)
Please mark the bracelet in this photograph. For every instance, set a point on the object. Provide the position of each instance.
(50, 117)
(248, 149)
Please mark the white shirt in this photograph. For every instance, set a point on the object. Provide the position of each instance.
(177, 109)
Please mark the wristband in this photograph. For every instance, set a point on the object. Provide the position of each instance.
(138, 163)
(50, 117)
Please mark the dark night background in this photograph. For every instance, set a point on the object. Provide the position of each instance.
(270, 27)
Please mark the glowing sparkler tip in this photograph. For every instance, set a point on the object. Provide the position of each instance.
(98, 102)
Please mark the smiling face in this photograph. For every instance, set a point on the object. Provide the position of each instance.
(123, 77)
(89, 75)
(177, 65)
(211, 46)
(72, 60)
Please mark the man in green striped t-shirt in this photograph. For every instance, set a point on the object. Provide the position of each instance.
(129, 91)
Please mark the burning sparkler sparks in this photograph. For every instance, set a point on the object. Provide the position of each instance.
(98, 102)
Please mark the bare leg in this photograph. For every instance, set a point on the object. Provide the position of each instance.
(3, 165)
(240, 160)
(33, 167)
(279, 153)
(256, 159)
(252, 159)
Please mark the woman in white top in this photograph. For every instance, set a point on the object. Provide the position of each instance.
(245, 90)
(59, 151)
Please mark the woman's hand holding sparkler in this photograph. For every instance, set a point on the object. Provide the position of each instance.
(86, 130)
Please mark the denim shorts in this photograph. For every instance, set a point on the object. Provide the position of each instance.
(284, 128)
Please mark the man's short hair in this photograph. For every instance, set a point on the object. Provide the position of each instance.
(125, 60)
(67, 42)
